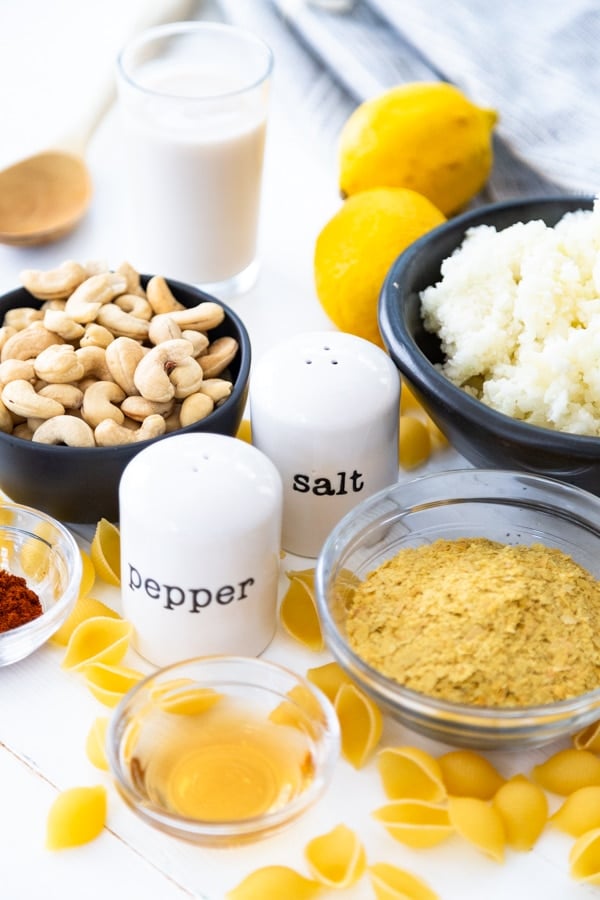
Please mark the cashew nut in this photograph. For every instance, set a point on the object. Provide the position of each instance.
(220, 353)
(23, 431)
(122, 357)
(87, 299)
(6, 420)
(96, 335)
(186, 378)
(59, 364)
(6, 331)
(69, 395)
(160, 296)
(55, 284)
(93, 360)
(122, 324)
(60, 323)
(65, 429)
(153, 375)
(163, 328)
(194, 408)
(136, 305)
(218, 389)
(12, 369)
(138, 408)
(108, 433)
(22, 316)
(198, 339)
(203, 317)
(132, 276)
(29, 342)
(99, 403)
(20, 397)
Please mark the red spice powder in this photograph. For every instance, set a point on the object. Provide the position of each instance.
(18, 603)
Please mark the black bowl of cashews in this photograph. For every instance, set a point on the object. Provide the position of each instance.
(97, 363)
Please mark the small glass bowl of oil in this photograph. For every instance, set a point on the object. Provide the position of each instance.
(222, 749)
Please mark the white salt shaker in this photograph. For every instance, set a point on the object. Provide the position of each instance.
(324, 408)
(200, 522)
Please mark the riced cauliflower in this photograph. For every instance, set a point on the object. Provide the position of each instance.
(517, 312)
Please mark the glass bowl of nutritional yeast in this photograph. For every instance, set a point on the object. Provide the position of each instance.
(467, 604)
(221, 750)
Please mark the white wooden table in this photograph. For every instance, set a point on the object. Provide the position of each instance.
(45, 712)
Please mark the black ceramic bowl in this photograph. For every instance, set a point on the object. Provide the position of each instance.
(483, 436)
(81, 484)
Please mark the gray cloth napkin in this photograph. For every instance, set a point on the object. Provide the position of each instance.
(536, 63)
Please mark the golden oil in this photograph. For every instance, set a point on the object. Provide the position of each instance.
(228, 763)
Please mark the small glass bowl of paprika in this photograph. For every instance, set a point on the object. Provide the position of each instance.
(40, 574)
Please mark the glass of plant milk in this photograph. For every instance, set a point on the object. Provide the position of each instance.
(193, 100)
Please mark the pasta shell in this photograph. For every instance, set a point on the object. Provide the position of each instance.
(88, 574)
(302, 711)
(480, 824)
(299, 616)
(523, 807)
(567, 771)
(105, 551)
(76, 817)
(95, 745)
(391, 883)
(336, 859)
(361, 724)
(469, 774)
(588, 738)
(86, 607)
(328, 678)
(306, 576)
(190, 701)
(580, 812)
(99, 639)
(584, 858)
(109, 684)
(409, 772)
(417, 823)
(275, 883)
(35, 556)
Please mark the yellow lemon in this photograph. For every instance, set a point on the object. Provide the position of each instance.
(421, 135)
(356, 248)
(105, 552)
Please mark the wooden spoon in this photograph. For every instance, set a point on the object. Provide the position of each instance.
(44, 196)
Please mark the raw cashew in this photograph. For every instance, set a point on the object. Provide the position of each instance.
(60, 323)
(96, 336)
(217, 389)
(186, 378)
(153, 375)
(135, 305)
(203, 317)
(194, 408)
(59, 364)
(22, 316)
(12, 369)
(197, 339)
(132, 277)
(55, 284)
(29, 342)
(20, 397)
(64, 429)
(139, 408)
(23, 431)
(93, 360)
(160, 297)
(6, 420)
(122, 324)
(99, 403)
(87, 299)
(69, 395)
(163, 328)
(6, 331)
(220, 353)
(122, 357)
(108, 433)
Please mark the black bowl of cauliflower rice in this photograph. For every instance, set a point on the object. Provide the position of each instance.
(493, 319)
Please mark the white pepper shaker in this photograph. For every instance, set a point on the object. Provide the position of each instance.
(200, 521)
(324, 408)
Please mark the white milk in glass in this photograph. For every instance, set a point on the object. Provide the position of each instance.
(194, 138)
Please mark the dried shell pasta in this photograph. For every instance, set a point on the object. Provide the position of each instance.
(99, 639)
(580, 812)
(299, 616)
(275, 883)
(523, 807)
(95, 745)
(584, 858)
(109, 684)
(336, 859)
(361, 724)
(469, 774)
(184, 698)
(588, 738)
(567, 771)
(328, 678)
(409, 772)
(85, 608)
(391, 883)
(417, 823)
(301, 711)
(76, 817)
(480, 824)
